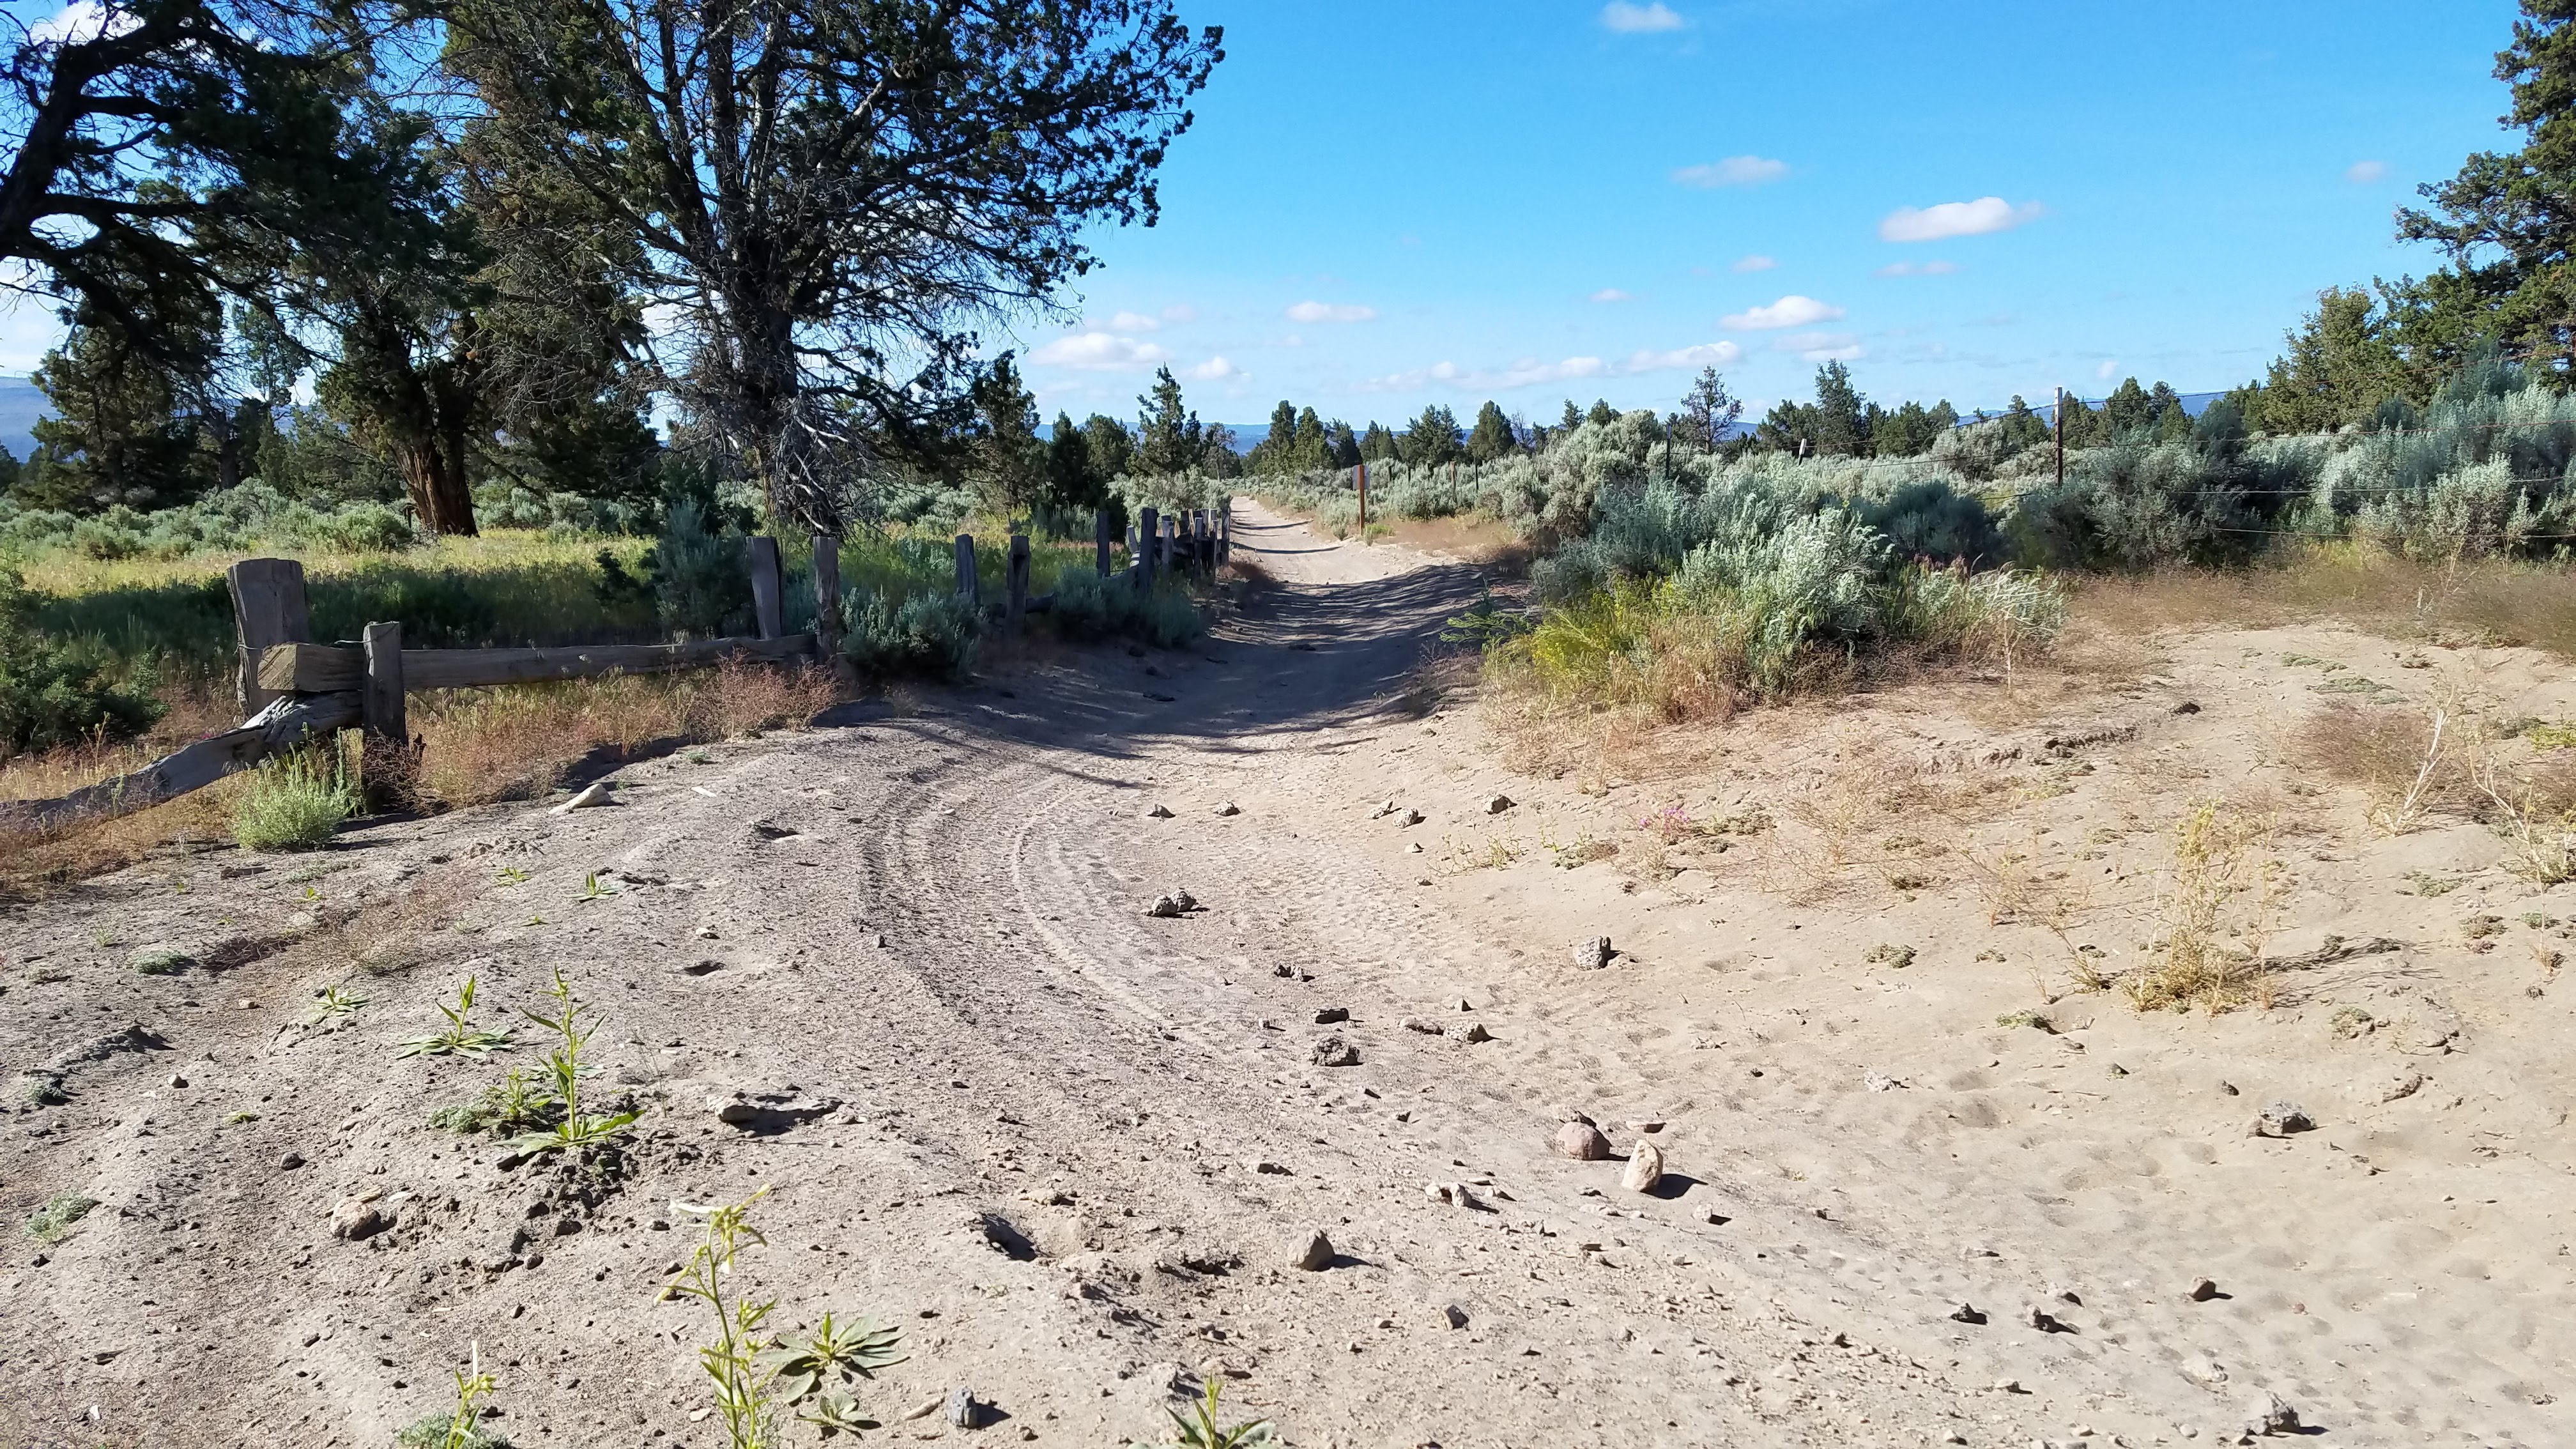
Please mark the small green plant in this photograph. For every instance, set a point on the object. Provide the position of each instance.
(462, 1037)
(2349, 1022)
(460, 1429)
(47, 1224)
(699, 757)
(105, 936)
(1894, 957)
(759, 1376)
(295, 803)
(592, 890)
(1199, 1429)
(159, 961)
(2025, 1018)
(2429, 885)
(236, 1119)
(2539, 920)
(332, 1002)
(519, 1103)
(564, 1072)
(510, 875)
(825, 1367)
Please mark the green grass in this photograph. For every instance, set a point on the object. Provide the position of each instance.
(295, 803)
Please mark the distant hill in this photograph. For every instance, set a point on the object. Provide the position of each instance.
(20, 406)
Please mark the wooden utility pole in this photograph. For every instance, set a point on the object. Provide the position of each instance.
(1364, 503)
(2058, 416)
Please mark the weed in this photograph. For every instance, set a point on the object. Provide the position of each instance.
(516, 1105)
(510, 875)
(334, 1001)
(47, 1224)
(238, 1118)
(699, 757)
(2026, 1018)
(2429, 885)
(592, 890)
(2538, 920)
(159, 961)
(1895, 958)
(2217, 860)
(2479, 927)
(2349, 1022)
(826, 1367)
(565, 1071)
(462, 1037)
(460, 1429)
(758, 1376)
(1199, 1429)
(2553, 736)
(1669, 824)
(295, 803)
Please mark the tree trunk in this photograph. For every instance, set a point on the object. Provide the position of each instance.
(434, 475)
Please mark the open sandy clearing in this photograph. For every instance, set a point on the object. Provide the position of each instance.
(1072, 1148)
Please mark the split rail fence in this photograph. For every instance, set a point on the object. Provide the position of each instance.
(292, 689)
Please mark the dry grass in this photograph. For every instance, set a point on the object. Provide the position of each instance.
(2488, 602)
(478, 746)
(2219, 901)
(483, 745)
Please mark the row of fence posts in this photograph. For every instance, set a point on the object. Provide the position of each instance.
(1196, 540)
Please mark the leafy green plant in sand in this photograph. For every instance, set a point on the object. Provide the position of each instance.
(564, 1072)
(462, 1037)
(759, 1376)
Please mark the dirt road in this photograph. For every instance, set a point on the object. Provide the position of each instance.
(1071, 1148)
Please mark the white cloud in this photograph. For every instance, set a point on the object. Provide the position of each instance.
(1918, 269)
(80, 21)
(1628, 19)
(1331, 312)
(1790, 311)
(1822, 346)
(1180, 312)
(1215, 369)
(2362, 173)
(1706, 354)
(1610, 294)
(2109, 369)
(1099, 352)
(1957, 218)
(1529, 371)
(1754, 263)
(1733, 171)
(1133, 322)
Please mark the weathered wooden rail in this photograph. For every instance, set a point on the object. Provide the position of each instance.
(293, 690)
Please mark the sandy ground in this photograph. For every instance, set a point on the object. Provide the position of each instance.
(1072, 1149)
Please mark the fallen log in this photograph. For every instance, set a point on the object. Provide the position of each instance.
(286, 722)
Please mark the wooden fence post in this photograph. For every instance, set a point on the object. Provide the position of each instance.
(1019, 584)
(1364, 503)
(1225, 532)
(1100, 540)
(384, 750)
(1172, 542)
(1199, 542)
(765, 594)
(969, 586)
(268, 608)
(827, 602)
(1149, 539)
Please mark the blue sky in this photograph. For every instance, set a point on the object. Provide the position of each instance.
(1384, 205)
(1399, 202)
